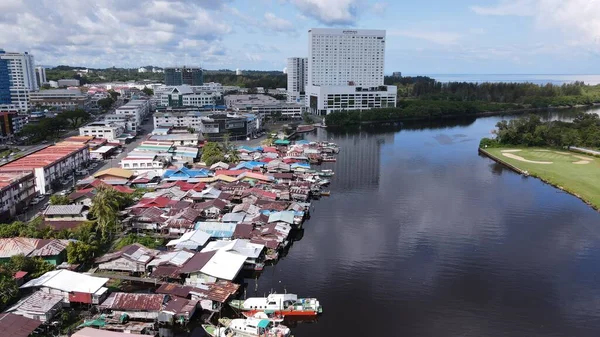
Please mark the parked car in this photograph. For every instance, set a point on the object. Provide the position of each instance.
(81, 172)
(35, 201)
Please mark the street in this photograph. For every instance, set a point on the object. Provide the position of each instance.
(33, 210)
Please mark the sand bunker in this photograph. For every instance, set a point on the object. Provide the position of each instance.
(510, 151)
(541, 150)
(581, 162)
(519, 158)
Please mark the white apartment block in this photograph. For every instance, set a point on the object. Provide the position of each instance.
(297, 78)
(40, 75)
(192, 119)
(21, 68)
(139, 109)
(16, 189)
(105, 130)
(126, 121)
(63, 99)
(346, 70)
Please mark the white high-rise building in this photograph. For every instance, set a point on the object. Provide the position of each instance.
(40, 75)
(21, 70)
(297, 78)
(346, 70)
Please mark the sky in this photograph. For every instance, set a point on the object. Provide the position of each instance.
(423, 37)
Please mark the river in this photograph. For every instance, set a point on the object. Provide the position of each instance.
(423, 237)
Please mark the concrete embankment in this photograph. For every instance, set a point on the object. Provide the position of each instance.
(510, 166)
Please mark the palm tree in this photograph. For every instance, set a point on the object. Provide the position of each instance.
(105, 208)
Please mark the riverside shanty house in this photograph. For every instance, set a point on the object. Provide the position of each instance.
(65, 216)
(132, 259)
(39, 305)
(211, 296)
(160, 307)
(212, 266)
(73, 287)
(50, 250)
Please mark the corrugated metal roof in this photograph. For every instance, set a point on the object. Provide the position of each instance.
(197, 262)
(17, 326)
(37, 303)
(224, 265)
(190, 240)
(134, 252)
(31, 247)
(64, 210)
(115, 171)
(137, 302)
(177, 258)
(91, 332)
(68, 281)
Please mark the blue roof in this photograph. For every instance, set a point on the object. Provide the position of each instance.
(302, 142)
(217, 229)
(303, 165)
(263, 323)
(250, 148)
(185, 173)
(248, 165)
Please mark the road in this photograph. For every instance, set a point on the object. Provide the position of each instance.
(34, 210)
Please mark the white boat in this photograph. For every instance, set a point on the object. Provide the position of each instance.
(281, 305)
(254, 327)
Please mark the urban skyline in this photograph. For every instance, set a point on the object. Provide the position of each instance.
(504, 36)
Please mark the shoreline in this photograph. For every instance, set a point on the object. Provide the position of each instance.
(527, 174)
(475, 115)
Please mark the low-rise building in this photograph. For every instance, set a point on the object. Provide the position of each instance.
(139, 109)
(264, 106)
(106, 130)
(132, 259)
(40, 306)
(65, 216)
(50, 250)
(179, 139)
(73, 287)
(51, 163)
(68, 82)
(185, 95)
(17, 326)
(16, 190)
(63, 99)
(236, 126)
(127, 121)
(184, 119)
(323, 100)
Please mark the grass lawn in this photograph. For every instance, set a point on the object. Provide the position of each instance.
(557, 167)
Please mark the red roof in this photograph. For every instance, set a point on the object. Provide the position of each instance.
(20, 274)
(232, 173)
(124, 189)
(160, 202)
(271, 149)
(44, 157)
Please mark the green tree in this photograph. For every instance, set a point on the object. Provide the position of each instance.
(105, 103)
(148, 91)
(76, 118)
(212, 153)
(113, 94)
(8, 288)
(106, 205)
(146, 241)
(57, 199)
(80, 252)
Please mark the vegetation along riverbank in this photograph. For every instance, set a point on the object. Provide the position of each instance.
(540, 149)
(422, 98)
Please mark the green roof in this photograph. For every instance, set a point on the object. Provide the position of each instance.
(263, 323)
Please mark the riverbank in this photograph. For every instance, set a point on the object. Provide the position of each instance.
(574, 173)
(350, 121)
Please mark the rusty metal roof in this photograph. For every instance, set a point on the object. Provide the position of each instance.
(134, 302)
(197, 262)
(17, 326)
(31, 247)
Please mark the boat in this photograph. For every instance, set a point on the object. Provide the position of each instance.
(323, 182)
(329, 159)
(213, 331)
(326, 193)
(254, 327)
(267, 314)
(281, 304)
(326, 173)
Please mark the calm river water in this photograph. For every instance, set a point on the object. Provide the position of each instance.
(423, 237)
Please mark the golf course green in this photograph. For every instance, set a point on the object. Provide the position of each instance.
(573, 172)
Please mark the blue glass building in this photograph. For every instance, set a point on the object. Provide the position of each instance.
(4, 81)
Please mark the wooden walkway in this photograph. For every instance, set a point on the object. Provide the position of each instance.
(130, 278)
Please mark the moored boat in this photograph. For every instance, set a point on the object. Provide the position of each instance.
(325, 193)
(280, 304)
(267, 314)
(254, 327)
(212, 331)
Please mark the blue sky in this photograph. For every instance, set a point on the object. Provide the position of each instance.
(424, 37)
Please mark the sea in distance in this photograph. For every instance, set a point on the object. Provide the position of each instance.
(514, 78)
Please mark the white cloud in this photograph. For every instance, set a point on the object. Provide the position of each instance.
(442, 38)
(330, 12)
(578, 20)
(379, 7)
(114, 32)
(271, 21)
